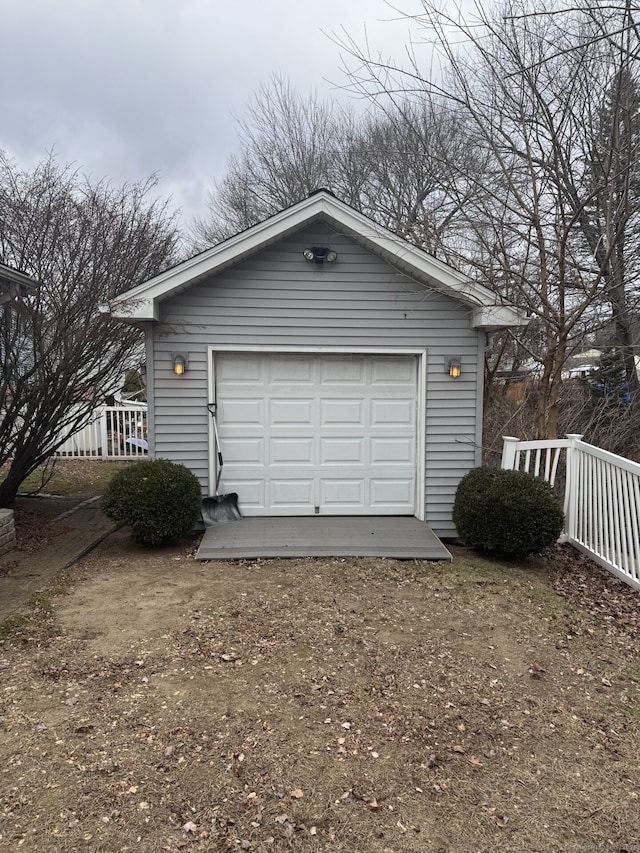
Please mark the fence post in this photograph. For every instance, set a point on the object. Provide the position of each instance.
(571, 486)
(104, 435)
(509, 449)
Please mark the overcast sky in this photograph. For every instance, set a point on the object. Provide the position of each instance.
(124, 88)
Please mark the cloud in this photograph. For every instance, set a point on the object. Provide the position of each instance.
(131, 87)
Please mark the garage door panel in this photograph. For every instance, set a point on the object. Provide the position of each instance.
(252, 491)
(338, 412)
(342, 493)
(241, 413)
(319, 433)
(292, 492)
(243, 369)
(393, 371)
(242, 451)
(393, 493)
(393, 412)
(396, 451)
(286, 412)
(342, 451)
(291, 451)
(341, 370)
(283, 370)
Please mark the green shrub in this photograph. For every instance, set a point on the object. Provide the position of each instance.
(506, 513)
(159, 499)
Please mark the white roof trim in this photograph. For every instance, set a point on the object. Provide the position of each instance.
(14, 283)
(142, 302)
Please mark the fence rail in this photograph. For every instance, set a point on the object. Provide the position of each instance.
(601, 497)
(113, 432)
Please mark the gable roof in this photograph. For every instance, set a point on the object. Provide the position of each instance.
(142, 302)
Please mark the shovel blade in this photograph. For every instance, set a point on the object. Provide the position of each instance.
(219, 509)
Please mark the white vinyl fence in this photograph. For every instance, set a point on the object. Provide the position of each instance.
(601, 497)
(114, 432)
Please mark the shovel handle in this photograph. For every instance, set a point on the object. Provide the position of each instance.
(218, 449)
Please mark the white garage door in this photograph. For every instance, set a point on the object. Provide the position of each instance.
(327, 434)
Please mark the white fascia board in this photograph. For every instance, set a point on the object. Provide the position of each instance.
(134, 309)
(491, 317)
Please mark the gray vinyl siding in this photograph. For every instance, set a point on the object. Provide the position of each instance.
(277, 299)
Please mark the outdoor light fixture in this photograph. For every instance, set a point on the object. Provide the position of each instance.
(454, 368)
(320, 254)
(180, 364)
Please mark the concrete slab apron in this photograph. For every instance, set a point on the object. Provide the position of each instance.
(401, 538)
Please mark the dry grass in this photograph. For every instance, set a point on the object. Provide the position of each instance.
(342, 705)
(70, 477)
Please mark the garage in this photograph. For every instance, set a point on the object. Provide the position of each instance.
(310, 433)
(346, 366)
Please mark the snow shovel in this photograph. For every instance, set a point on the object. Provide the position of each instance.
(218, 508)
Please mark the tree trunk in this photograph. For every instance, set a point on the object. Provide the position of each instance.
(18, 472)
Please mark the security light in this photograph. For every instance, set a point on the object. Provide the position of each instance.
(320, 254)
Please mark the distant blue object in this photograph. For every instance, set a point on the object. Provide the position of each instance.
(620, 391)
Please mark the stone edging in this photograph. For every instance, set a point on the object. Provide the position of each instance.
(7, 532)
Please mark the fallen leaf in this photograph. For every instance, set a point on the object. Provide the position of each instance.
(190, 826)
(296, 793)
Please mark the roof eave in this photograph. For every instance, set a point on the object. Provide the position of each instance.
(490, 318)
(14, 283)
(133, 310)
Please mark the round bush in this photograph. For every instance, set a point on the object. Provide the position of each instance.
(506, 513)
(158, 498)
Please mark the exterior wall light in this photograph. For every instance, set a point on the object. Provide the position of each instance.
(180, 364)
(454, 368)
(320, 254)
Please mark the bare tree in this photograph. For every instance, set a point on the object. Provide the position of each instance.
(530, 89)
(84, 242)
(287, 149)
(387, 163)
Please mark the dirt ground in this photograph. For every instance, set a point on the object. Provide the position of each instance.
(160, 704)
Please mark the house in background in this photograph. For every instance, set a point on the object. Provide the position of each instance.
(345, 367)
(14, 284)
